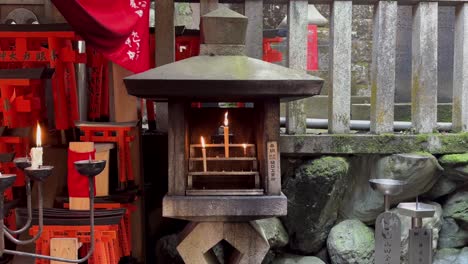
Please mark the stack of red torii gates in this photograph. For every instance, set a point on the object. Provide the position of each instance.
(30, 54)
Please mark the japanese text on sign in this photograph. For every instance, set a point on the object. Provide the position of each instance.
(273, 160)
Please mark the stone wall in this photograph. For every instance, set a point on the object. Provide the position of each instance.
(332, 209)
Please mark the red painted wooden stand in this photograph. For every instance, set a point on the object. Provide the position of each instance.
(107, 247)
(119, 133)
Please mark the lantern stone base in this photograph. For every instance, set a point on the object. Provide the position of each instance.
(199, 239)
(224, 208)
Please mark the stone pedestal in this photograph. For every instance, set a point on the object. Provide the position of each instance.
(199, 238)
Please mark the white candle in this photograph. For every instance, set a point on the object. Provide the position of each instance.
(245, 149)
(204, 154)
(226, 135)
(36, 153)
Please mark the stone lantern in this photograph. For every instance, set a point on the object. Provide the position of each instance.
(224, 161)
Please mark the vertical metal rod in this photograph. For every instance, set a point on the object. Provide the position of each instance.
(82, 84)
(387, 203)
(29, 221)
(416, 222)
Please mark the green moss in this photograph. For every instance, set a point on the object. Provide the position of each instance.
(454, 159)
(327, 167)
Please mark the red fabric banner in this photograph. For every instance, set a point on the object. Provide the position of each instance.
(78, 185)
(119, 29)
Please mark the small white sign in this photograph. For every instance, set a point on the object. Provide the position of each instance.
(273, 163)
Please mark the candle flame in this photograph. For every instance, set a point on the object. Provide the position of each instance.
(226, 121)
(202, 142)
(38, 136)
(245, 146)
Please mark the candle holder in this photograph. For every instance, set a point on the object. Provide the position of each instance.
(420, 239)
(387, 224)
(23, 163)
(88, 168)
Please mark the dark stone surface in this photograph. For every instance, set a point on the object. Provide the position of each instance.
(224, 208)
(314, 194)
(451, 235)
(166, 250)
(456, 207)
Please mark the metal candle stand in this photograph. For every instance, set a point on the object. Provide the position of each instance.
(387, 224)
(89, 168)
(388, 227)
(420, 239)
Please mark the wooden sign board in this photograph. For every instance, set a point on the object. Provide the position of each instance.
(64, 248)
(273, 169)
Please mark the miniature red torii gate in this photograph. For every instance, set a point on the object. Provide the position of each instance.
(26, 46)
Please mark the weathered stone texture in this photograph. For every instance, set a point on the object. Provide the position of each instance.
(351, 242)
(273, 231)
(451, 256)
(361, 202)
(254, 37)
(424, 67)
(340, 67)
(456, 207)
(451, 235)
(383, 67)
(314, 194)
(460, 74)
(199, 238)
(297, 59)
(442, 187)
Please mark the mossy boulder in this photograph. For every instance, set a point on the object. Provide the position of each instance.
(420, 171)
(442, 187)
(456, 207)
(314, 193)
(451, 235)
(351, 242)
(455, 166)
(451, 256)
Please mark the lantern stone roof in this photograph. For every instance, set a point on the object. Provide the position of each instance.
(223, 77)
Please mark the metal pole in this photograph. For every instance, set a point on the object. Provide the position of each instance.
(387, 203)
(28, 222)
(365, 124)
(41, 221)
(82, 84)
(91, 250)
(416, 222)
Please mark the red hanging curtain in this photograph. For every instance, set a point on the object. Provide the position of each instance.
(116, 28)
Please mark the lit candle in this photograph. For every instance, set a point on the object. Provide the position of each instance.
(36, 153)
(245, 149)
(226, 135)
(203, 153)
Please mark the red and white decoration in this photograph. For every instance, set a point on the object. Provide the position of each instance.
(119, 29)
